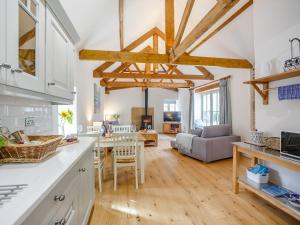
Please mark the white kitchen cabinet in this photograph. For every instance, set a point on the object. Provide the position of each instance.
(86, 177)
(36, 50)
(59, 60)
(2, 41)
(71, 200)
(25, 44)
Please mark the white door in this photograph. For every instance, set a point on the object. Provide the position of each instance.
(3, 66)
(58, 47)
(25, 44)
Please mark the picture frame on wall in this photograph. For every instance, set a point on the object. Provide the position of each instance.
(97, 98)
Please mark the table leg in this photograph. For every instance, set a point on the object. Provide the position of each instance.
(235, 170)
(254, 161)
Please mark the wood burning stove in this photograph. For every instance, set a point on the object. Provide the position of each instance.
(146, 119)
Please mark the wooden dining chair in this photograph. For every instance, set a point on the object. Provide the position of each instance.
(125, 153)
(99, 160)
(121, 128)
(93, 128)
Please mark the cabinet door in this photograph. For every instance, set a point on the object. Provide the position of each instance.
(26, 44)
(2, 41)
(67, 214)
(86, 188)
(58, 48)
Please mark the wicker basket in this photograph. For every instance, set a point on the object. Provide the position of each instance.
(272, 142)
(30, 153)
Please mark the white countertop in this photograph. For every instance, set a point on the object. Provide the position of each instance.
(40, 178)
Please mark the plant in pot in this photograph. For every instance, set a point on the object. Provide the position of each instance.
(3, 141)
(116, 117)
(65, 116)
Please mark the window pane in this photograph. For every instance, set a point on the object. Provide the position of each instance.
(166, 107)
(172, 107)
(27, 42)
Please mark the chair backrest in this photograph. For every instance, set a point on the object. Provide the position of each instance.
(125, 144)
(93, 129)
(121, 129)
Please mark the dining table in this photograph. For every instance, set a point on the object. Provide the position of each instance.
(107, 142)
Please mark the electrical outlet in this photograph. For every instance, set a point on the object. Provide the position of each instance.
(29, 122)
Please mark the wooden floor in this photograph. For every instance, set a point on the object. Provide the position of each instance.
(182, 191)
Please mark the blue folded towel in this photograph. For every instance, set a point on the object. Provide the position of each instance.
(259, 169)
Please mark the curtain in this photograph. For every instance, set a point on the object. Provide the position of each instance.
(191, 110)
(225, 103)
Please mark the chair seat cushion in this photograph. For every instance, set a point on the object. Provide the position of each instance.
(126, 160)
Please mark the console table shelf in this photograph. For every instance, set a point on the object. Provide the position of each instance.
(262, 153)
(264, 92)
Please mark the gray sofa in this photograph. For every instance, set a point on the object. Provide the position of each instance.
(211, 143)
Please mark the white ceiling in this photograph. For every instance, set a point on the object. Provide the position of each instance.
(97, 24)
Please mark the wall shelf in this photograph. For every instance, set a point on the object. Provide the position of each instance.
(264, 81)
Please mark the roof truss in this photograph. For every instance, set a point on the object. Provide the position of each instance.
(175, 51)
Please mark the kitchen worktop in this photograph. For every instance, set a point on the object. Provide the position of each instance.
(40, 178)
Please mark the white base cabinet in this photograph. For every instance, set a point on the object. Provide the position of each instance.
(71, 200)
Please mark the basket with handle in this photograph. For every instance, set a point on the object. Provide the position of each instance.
(30, 153)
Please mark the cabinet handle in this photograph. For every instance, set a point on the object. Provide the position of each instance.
(59, 198)
(60, 222)
(17, 70)
(51, 84)
(5, 66)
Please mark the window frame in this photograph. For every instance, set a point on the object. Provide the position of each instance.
(211, 110)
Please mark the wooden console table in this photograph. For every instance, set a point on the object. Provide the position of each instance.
(262, 153)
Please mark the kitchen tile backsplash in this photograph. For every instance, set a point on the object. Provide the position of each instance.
(39, 118)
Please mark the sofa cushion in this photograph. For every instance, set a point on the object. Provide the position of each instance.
(197, 132)
(216, 131)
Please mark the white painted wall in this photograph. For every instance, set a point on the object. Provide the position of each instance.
(240, 100)
(275, 22)
(84, 83)
(121, 102)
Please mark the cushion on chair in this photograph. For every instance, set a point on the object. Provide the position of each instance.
(197, 132)
(216, 131)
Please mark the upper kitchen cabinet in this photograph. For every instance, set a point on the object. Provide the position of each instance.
(59, 62)
(37, 50)
(25, 44)
(3, 42)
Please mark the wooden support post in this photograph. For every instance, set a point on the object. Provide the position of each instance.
(252, 103)
(266, 92)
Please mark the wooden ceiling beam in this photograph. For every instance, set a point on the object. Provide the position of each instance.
(130, 47)
(119, 84)
(154, 76)
(121, 23)
(219, 28)
(155, 50)
(134, 57)
(26, 37)
(217, 12)
(186, 14)
(169, 24)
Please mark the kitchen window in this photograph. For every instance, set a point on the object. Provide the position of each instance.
(207, 108)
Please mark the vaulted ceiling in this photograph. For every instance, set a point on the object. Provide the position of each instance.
(97, 22)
